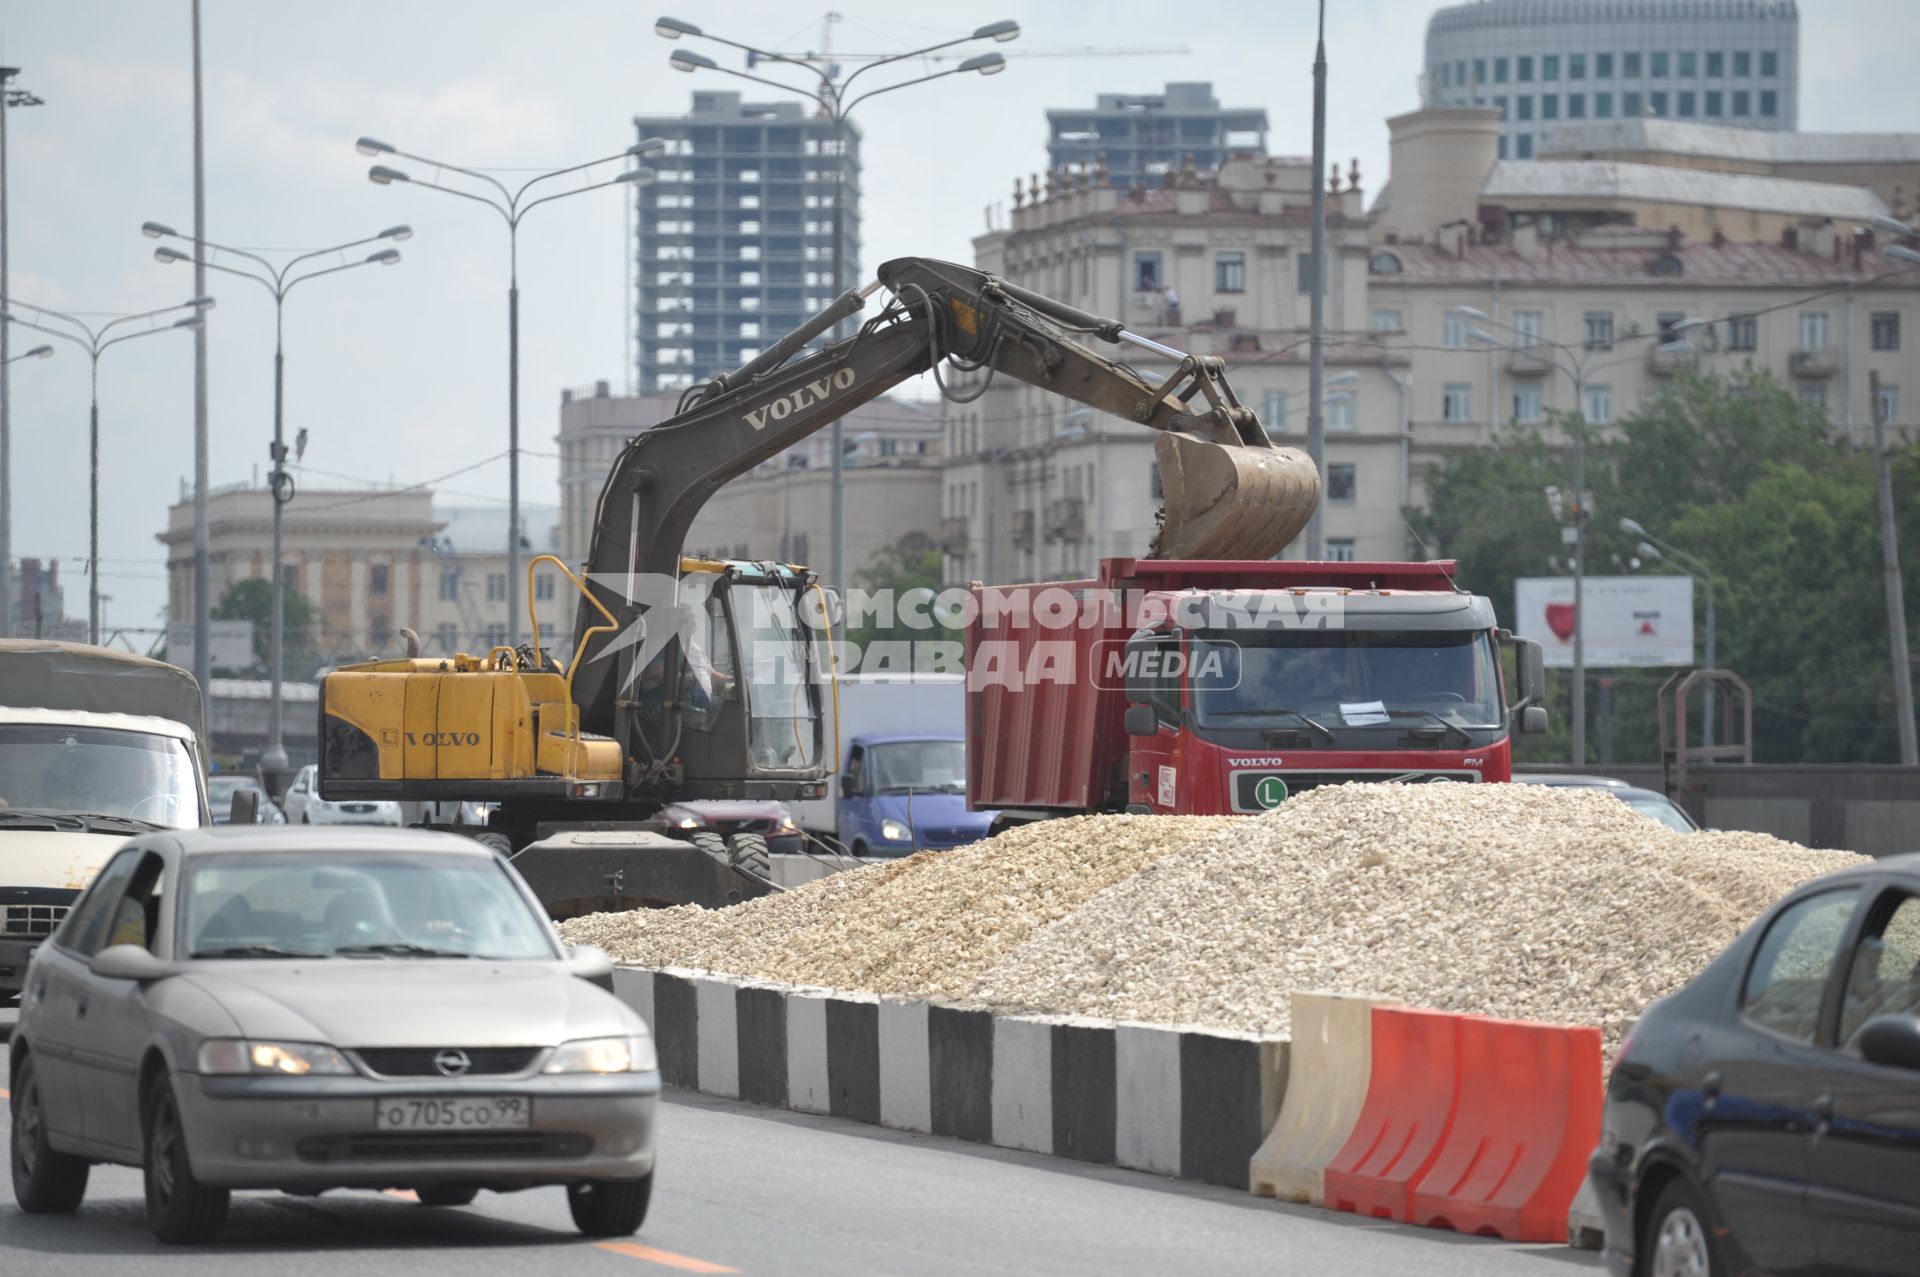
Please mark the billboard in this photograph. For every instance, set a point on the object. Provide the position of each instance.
(1627, 620)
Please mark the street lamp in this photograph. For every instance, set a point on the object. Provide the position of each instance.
(1653, 547)
(279, 281)
(512, 205)
(96, 342)
(1578, 367)
(38, 352)
(835, 104)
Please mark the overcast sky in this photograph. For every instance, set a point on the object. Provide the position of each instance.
(399, 374)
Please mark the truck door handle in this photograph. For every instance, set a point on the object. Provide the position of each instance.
(1710, 1086)
(80, 1008)
(1823, 1114)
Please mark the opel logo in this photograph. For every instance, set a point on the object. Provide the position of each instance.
(452, 1062)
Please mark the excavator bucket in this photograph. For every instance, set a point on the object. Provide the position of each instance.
(1226, 502)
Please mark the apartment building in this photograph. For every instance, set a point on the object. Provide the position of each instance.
(1142, 137)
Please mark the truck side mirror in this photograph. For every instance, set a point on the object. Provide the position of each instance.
(1140, 720)
(1532, 720)
(246, 807)
(1530, 672)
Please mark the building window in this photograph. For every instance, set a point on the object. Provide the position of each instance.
(1146, 272)
(1526, 403)
(1769, 103)
(1386, 319)
(1743, 64)
(1456, 402)
(445, 635)
(1341, 410)
(543, 585)
(1814, 397)
(1813, 330)
(1549, 106)
(377, 574)
(1716, 64)
(1603, 66)
(1384, 264)
(1550, 66)
(1576, 106)
(1524, 107)
(1716, 101)
(1460, 73)
(1743, 333)
(496, 587)
(1230, 272)
(1689, 65)
(1453, 331)
(1500, 143)
(1886, 405)
(1630, 66)
(1742, 102)
(1603, 106)
(1523, 146)
(1340, 483)
(1686, 104)
(1479, 71)
(1769, 63)
(1576, 66)
(1273, 414)
(1597, 404)
(1499, 70)
(1629, 105)
(449, 585)
(496, 636)
(1886, 330)
(1500, 105)
(1340, 549)
(1599, 329)
(1657, 66)
(1523, 70)
(1657, 103)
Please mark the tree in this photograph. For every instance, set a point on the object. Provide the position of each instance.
(252, 600)
(905, 580)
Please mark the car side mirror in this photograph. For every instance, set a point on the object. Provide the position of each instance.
(1531, 720)
(1140, 720)
(246, 807)
(1530, 671)
(1892, 1040)
(590, 962)
(129, 962)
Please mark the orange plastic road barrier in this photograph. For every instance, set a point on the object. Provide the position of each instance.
(1408, 1114)
(1527, 1116)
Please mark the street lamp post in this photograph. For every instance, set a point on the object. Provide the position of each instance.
(96, 342)
(278, 281)
(833, 102)
(1578, 367)
(1654, 547)
(10, 97)
(512, 207)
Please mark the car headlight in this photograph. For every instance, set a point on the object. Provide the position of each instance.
(239, 1055)
(688, 822)
(604, 1055)
(786, 826)
(895, 831)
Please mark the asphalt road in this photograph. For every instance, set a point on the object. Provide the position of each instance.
(752, 1190)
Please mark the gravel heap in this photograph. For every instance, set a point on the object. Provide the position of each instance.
(1526, 901)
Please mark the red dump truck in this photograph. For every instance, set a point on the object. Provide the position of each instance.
(1215, 686)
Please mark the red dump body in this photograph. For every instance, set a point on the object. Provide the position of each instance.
(1045, 709)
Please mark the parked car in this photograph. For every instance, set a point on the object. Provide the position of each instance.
(1650, 803)
(222, 786)
(1766, 1117)
(305, 806)
(234, 1008)
(902, 792)
(771, 820)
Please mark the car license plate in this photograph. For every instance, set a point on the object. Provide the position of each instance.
(466, 1113)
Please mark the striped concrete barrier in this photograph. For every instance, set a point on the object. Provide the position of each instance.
(1173, 1101)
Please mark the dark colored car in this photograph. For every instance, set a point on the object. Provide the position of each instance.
(1766, 1117)
(1650, 803)
(771, 820)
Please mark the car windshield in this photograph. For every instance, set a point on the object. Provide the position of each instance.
(97, 771)
(1346, 678)
(929, 766)
(1662, 810)
(387, 904)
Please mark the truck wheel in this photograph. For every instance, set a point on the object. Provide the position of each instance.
(45, 1180)
(710, 842)
(749, 852)
(499, 844)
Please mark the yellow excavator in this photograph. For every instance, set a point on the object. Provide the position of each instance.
(696, 679)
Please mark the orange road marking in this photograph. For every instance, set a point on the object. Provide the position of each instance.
(5, 1094)
(685, 1263)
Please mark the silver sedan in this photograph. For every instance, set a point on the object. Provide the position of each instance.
(253, 1008)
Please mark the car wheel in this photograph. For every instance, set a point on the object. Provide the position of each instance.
(446, 1194)
(180, 1209)
(45, 1180)
(859, 849)
(1678, 1242)
(609, 1207)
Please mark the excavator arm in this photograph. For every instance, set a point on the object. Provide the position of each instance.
(1228, 491)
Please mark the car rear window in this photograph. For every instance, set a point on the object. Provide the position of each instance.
(1791, 965)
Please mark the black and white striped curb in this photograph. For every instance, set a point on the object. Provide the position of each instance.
(1174, 1101)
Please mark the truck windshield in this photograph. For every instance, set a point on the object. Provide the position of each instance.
(1346, 679)
(95, 771)
(784, 732)
(929, 766)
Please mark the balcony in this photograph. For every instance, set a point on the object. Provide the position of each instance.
(1528, 363)
(955, 535)
(1823, 362)
(1066, 519)
(1023, 529)
(1665, 363)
